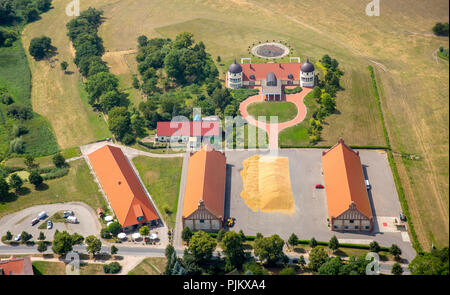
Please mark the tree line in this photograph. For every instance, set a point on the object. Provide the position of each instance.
(16, 11)
(325, 96)
(102, 87)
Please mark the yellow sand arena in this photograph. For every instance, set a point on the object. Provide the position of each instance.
(267, 185)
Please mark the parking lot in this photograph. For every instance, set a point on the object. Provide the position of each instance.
(88, 223)
(311, 213)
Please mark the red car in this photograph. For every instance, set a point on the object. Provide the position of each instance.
(319, 186)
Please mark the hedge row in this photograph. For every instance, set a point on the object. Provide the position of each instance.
(361, 147)
(398, 184)
(151, 145)
(247, 238)
(344, 245)
(295, 90)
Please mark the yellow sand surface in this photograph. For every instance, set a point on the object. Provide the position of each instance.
(267, 185)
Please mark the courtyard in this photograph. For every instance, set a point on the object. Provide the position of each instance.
(310, 216)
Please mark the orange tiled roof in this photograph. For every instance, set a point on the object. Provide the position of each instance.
(16, 266)
(344, 181)
(281, 70)
(122, 187)
(205, 181)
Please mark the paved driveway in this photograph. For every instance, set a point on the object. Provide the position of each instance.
(273, 129)
(310, 217)
(20, 221)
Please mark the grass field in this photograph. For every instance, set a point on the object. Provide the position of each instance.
(15, 76)
(56, 95)
(59, 268)
(46, 161)
(150, 266)
(162, 180)
(285, 111)
(398, 43)
(78, 185)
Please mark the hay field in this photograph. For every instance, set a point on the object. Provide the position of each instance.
(414, 87)
(56, 95)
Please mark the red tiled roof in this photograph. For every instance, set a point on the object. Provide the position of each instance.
(122, 187)
(196, 128)
(344, 181)
(205, 181)
(16, 266)
(260, 70)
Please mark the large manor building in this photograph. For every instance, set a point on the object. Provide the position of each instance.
(271, 77)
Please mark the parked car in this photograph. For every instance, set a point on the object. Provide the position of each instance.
(319, 186)
(42, 215)
(368, 187)
(68, 213)
(72, 219)
(49, 224)
(402, 216)
(17, 238)
(34, 221)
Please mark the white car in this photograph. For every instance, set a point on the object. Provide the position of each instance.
(17, 238)
(49, 224)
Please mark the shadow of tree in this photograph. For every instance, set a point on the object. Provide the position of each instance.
(42, 187)
(23, 191)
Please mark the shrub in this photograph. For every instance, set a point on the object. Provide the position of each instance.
(115, 228)
(5, 98)
(105, 234)
(56, 173)
(41, 236)
(42, 246)
(17, 145)
(77, 239)
(19, 111)
(297, 89)
(287, 271)
(113, 267)
(35, 178)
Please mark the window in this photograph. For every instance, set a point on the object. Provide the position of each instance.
(202, 221)
(336, 226)
(356, 227)
(352, 221)
(367, 227)
(346, 227)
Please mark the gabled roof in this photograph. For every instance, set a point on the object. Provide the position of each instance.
(280, 70)
(206, 182)
(197, 128)
(16, 266)
(122, 187)
(344, 181)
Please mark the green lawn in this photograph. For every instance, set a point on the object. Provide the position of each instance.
(298, 135)
(162, 180)
(15, 76)
(150, 266)
(284, 110)
(59, 268)
(78, 185)
(46, 161)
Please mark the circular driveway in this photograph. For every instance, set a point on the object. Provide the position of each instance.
(88, 222)
(271, 129)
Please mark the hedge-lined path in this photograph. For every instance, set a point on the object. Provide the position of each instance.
(274, 129)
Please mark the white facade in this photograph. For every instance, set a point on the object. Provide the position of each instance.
(234, 80)
(307, 79)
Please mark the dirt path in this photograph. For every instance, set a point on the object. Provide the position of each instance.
(274, 129)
